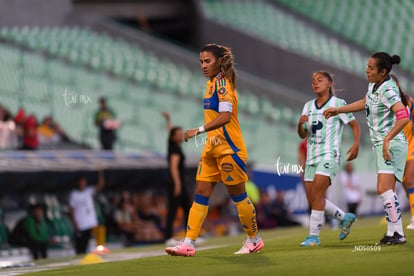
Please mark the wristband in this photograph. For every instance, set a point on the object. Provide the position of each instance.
(402, 114)
(201, 129)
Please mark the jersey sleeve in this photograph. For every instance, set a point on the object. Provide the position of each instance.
(345, 117)
(390, 97)
(225, 95)
(305, 109)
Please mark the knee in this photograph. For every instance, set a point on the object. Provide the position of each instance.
(315, 197)
(202, 191)
(409, 183)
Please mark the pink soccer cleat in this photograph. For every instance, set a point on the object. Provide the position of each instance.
(181, 250)
(250, 247)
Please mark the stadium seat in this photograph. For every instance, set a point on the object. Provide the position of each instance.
(273, 24)
(353, 20)
(138, 88)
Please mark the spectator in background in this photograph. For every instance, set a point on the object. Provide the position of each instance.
(176, 187)
(281, 212)
(83, 212)
(4, 232)
(150, 221)
(107, 124)
(49, 132)
(126, 220)
(19, 120)
(352, 189)
(8, 134)
(274, 213)
(32, 232)
(30, 139)
(37, 231)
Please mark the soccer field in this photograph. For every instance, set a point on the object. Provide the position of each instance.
(281, 255)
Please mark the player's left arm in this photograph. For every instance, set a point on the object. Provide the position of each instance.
(349, 119)
(354, 149)
(222, 119)
(402, 119)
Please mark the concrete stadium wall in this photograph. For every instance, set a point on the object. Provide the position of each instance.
(34, 12)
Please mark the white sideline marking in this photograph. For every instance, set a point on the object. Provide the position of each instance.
(113, 257)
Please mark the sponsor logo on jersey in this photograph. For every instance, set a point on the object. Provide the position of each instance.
(316, 126)
(206, 103)
(229, 178)
(227, 167)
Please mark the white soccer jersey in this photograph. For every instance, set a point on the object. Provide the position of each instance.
(325, 135)
(84, 209)
(380, 118)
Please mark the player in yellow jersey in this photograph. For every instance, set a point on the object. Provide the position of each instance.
(224, 156)
(408, 179)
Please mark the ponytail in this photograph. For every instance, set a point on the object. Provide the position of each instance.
(385, 61)
(225, 60)
(403, 96)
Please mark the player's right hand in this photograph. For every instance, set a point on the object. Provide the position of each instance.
(190, 133)
(303, 119)
(330, 112)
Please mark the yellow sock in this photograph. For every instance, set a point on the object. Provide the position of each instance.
(411, 200)
(247, 214)
(198, 213)
(99, 233)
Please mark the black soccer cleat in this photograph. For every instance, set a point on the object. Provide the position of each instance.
(398, 239)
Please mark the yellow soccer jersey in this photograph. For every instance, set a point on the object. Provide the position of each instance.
(221, 97)
(407, 129)
(409, 132)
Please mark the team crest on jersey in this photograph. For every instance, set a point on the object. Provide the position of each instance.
(376, 98)
(227, 167)
(222, 91)
(211, 90)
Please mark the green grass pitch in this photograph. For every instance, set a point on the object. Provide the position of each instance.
(280, 256)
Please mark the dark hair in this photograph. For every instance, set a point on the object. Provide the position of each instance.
(78, 178)
(330, 78)
(404, 99)
(385, 61)
(172, 133)
(225, 60)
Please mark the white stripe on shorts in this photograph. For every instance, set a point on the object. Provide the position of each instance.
(386, 172)
(322, 173)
